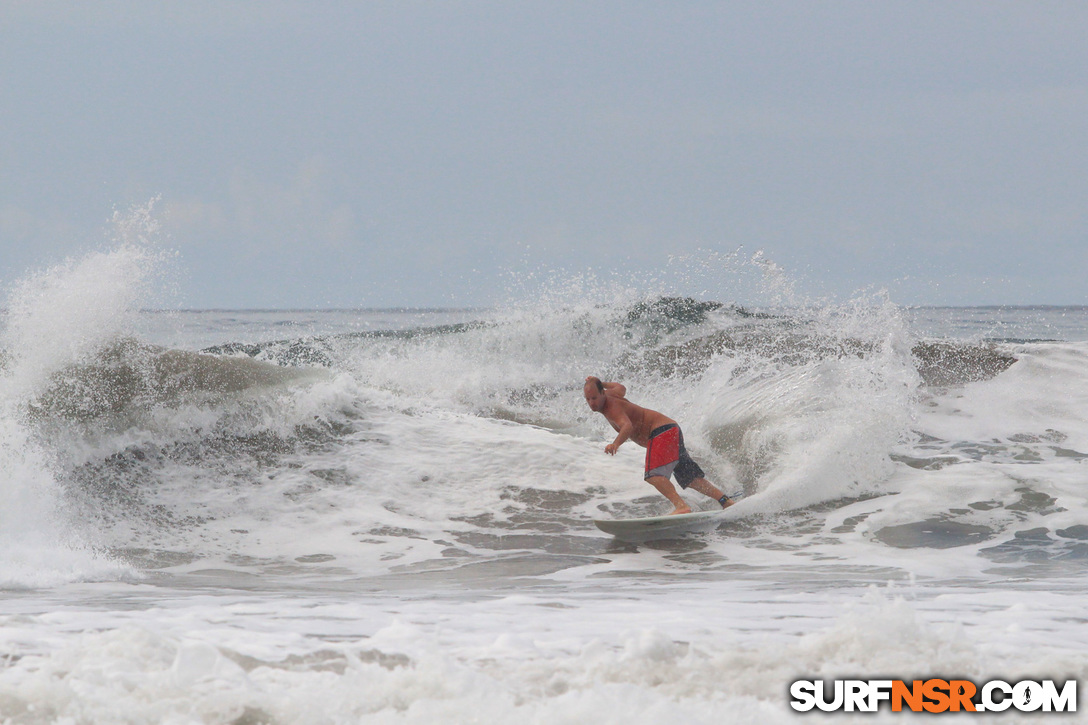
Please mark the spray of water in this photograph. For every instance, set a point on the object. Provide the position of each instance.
(58, 318)
(794, 400)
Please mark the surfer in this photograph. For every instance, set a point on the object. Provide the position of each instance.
(659, 435)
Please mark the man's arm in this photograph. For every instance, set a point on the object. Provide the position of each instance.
(616, 390)
(624, 428)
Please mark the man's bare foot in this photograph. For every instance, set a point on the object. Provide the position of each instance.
(728, 502)
(681, 510)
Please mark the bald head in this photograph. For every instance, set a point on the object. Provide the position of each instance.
(593, 391)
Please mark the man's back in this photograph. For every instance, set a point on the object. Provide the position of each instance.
(643, 420)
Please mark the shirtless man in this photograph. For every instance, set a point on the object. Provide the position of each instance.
(659, 435)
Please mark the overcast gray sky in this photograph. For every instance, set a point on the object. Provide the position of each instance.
(314, 154)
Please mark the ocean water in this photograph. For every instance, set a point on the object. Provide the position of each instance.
(384, 516)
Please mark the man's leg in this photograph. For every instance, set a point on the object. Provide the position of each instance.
(665, 487)
(706, 488)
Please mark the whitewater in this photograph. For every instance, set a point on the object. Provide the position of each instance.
(385, 516)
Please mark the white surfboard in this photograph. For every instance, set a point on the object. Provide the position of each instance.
(661, 527)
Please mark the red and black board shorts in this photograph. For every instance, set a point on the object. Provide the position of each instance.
(666, 456)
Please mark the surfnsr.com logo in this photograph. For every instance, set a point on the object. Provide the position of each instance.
(934, 695)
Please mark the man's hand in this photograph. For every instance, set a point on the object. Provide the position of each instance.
(611, 449)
